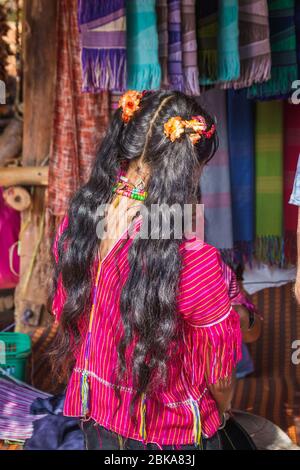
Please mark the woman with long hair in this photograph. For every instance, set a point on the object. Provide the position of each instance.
(148, 331)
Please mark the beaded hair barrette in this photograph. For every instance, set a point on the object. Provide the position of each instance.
(174, 127)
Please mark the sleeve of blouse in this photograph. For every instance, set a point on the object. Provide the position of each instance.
(60, 293)
(235, 294)
(214, 333)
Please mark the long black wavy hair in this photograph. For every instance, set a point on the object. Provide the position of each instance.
(148, 298)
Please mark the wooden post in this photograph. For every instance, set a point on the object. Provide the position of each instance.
(39, 49)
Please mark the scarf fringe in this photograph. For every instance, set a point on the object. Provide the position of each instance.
(279, 84)
(191, 76)
(290, 248)
(144, 77)
(270, 249)
(208, 67)
(255, 70)
(228, 68)
(103, 70)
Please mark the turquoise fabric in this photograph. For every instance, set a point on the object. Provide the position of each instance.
(143, 68)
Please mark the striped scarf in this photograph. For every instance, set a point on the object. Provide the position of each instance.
(241, 153)
(283, 48)
(291, 151)
(269, 181)
(218, 43)
(254, 43)
(103, 41)
(142, 46)
(189, 48)
(215, 181)
(207, 38)
(175, 65)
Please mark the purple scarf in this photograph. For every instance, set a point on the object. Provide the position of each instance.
(102, 27)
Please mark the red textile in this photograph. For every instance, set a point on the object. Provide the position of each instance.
(80, 119)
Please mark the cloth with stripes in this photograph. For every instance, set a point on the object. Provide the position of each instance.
(210, 335)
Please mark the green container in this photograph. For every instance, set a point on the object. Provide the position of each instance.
(14, 350)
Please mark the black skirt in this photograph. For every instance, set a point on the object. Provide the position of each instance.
(232, 437)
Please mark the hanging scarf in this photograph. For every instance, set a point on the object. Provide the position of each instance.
(283, 48)
(189, 48)
(142, 46)
(103, 41)
(254, 43)
(207, 39)
(269, 191)
(163, 41)
(291, 153)
(175, 65)
(80, 119)
(215, 180)
(241, 153)
(218, 43)
(228, 41)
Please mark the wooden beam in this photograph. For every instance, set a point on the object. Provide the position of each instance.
(39, 58)
(24, 176)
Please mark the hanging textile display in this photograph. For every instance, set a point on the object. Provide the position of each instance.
(269, 181)
(103, 41)
(254, 43)
(207, 39)
(189, 48)
(215, 181)
(241, 158)
(283, 49)
(80, 119)
(143, 66)
(218, 41)
(175, 65)
(297, 25)
(291, 152)
(163, 41)
(228, 41)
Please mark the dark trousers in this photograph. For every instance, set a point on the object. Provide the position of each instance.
(232, 437)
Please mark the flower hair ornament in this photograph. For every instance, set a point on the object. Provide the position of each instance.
(196, 128)
(130, 103)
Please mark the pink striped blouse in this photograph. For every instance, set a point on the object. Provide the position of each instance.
(210, 335)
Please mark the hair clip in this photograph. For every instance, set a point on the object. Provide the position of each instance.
(195, 128)
(130, 103)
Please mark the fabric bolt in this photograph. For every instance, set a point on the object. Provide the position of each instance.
(241, 160)
(215, 180)
(291, 151)
(283, 51)
(103, 44)
(163, 39)
(269, 181)
(189, 47)
(210, 330)
(175, 46)
(16, 398)
(143, 66)
(254, 43)
(80, 119)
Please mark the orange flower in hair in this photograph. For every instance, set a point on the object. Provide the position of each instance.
(130, 103)
(198, 125)
(174, 128)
